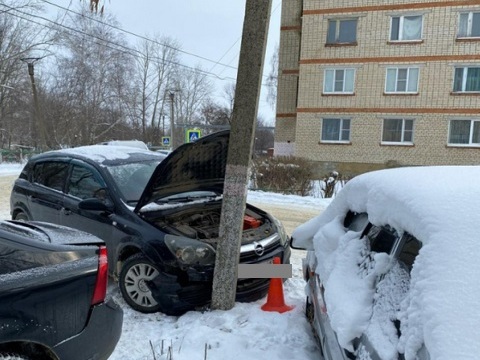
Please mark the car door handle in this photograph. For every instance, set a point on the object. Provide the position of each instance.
(66, 211)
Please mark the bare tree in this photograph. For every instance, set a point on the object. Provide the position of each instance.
(229, 94)
(214, 116)
(154, 71)
(94, 73)
(194, 90)
(272, 81)
(19, 38)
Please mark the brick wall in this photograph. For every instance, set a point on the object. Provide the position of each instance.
(300, 113)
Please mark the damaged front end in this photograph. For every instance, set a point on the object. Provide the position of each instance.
(192, 235)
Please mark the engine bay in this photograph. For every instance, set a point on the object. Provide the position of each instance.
(203, 223)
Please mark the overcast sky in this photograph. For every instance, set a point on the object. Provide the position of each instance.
(206, 29)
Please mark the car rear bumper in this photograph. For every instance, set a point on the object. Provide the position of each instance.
(178, 294)
(99, 337)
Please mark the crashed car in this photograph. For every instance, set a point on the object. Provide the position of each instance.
(392, 266)
(159, 217)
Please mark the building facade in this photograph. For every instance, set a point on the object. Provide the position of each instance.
(371, 84)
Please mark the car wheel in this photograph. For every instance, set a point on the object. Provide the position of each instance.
(135, 273)
(21, 216)
(8, 356)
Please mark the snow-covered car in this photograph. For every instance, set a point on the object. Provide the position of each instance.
(393, 268)
(159, 217)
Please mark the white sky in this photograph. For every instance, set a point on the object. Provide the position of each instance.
(209, 29)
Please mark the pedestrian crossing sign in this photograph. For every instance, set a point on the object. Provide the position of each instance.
(166, 140)
(193, 135)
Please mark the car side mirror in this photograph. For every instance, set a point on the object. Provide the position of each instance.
(294, 245)
(94, 204)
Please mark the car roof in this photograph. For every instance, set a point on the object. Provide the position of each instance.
(440, 206)
(129, 143)
(105, 155)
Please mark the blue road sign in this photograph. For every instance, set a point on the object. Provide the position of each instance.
(166, 140)
(193, 135)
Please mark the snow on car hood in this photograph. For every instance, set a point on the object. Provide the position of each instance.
(440, 206)
(198, 166)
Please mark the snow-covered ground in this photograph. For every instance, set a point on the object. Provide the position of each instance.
(243, 333)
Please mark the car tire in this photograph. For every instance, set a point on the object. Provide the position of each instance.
(9, 356)
(20, 216)
(136, 271)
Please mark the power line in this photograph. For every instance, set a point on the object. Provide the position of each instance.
(142, 37)
(126, 49)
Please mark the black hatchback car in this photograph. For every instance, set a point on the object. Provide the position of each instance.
(53, 303)
(158, 216)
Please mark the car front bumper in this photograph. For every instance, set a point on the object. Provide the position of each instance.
(192, 289)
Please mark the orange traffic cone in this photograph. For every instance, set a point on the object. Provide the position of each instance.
(275, 300)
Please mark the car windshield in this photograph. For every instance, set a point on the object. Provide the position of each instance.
(132, 178)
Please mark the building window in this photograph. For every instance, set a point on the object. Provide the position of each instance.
(336, 130)
(467, 79)
(469, 25)
(342, 31)
(464, 132)
(339, 81)
(402, 80)
(406, 28)
(398, 131)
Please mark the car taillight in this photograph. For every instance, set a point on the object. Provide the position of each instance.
(102, 277)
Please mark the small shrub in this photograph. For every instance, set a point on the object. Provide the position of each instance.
(329, 186)
(282, 174)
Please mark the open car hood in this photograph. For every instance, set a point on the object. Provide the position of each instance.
(198, 166)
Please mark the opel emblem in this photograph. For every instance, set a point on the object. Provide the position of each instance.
(258, 248)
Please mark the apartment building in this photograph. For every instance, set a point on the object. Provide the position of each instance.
(371, 84)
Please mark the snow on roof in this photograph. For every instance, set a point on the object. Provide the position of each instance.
(101, 153)
(440, 206)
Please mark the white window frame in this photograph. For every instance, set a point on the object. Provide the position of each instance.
(400, 28)
(470, 135)
(469, 24)
(464, 79)
(343, 91)
(339, 141)
(397, 68)
(402, 140)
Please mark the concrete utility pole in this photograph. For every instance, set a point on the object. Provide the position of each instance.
(250, 69)
(38, 125)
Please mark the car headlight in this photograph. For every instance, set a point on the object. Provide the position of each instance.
(281, 231)
(190, 252)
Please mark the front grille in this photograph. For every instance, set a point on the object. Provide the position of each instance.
(271, 247)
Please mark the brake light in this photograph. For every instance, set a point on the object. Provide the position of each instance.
(250, 222)
(100, 291)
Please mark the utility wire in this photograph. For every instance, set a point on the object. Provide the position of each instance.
(126, 49)
(235, 43)
(142, 37)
